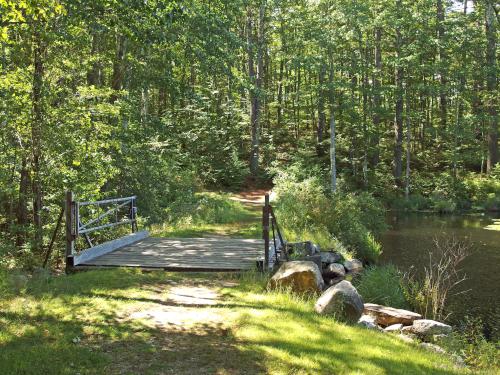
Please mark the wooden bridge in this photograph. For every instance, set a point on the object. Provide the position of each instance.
(173, 254)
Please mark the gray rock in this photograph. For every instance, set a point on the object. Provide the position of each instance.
(334, 270)
(316, 250)
(329, 257)
(426, 328)
(312, 258)
(334, 281)
(368, 322)
(341, 300)
(299, 276)
(394, 328)
(386, 316)
(354, 266)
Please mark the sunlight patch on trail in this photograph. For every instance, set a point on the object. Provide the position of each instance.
(185, 308)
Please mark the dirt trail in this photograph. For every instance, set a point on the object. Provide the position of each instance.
(191, 328)
(190, 332)
(251, 198)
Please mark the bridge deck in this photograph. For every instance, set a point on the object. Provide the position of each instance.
(203, 254)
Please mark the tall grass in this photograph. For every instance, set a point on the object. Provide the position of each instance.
(382, 285)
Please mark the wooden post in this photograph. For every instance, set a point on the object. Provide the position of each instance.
(53, 238)
(70, 225)
(265, 232)
(132, 215)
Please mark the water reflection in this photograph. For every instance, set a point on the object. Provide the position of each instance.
(411, 237)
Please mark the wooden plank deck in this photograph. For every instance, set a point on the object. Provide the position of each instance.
(176, 254)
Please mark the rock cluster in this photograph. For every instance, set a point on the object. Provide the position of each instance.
(404, 321)
(326, 272)
(322, 271)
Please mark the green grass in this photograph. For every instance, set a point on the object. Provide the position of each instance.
(77, 324)
(382, 285)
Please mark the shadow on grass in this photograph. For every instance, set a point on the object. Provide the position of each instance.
(74, 325)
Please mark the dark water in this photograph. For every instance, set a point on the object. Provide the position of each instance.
(411, 237)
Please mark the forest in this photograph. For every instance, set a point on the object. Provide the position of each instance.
(165, 98)
(372, 125)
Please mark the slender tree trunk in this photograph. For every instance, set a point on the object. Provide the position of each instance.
(377, 101)
(366, 140)
(408, 146)
(118, 66)
(94, 73)
(280, 96)
(36, 134)
(491, 85)
(321, 111)
(398, 117)
(333, 164)
(22, 204)
(256, 80)
(443, 100)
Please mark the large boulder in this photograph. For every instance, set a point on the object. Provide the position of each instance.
(386, 316)
(334, 270)
(426, 328)
(329, 257)
(341, 300)
(353, 266)
(299, 276)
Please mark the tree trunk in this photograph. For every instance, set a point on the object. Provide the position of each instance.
(398, 117)
(22, 204)
(333, 164)
(408, 146)
(321, 111)
(94, 74)
(491, 85)
(36, 134)
(443, 100)
(377, 101)
(256, 81)
(280, 96)
(118, 66)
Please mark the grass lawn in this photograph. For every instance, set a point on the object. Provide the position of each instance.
(132, 322)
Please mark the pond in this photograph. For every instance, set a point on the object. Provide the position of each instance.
(410, 238)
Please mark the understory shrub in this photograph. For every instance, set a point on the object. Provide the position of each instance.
(468, 342)
(207, 208)
(307, 212)
(382, 285)
(443, 193)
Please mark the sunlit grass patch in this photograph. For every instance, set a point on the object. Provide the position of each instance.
(292, 338)
(84, 323)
